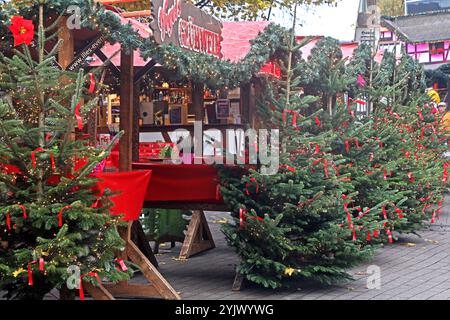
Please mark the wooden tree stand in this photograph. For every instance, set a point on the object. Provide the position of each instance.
(157, 287)
(198, 236)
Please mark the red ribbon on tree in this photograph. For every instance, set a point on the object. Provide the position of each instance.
(8, 220)
(433, 217)
(349, 216)
(411, 177)
(294, 117)
(41, 264)
(445, 175)
(241, 218)
(122, 264)
(30, 273)
(325, 165)
(253, 180)
(347, 146)
(399, 212)
(354, 235)
(317, 149)
(389, 233)
(285, 166)
(383, 209)
(92, 83)
(375, 234)
(60, 215)
(78, 116)
(369, 238)
(40, 149)
(318, 122)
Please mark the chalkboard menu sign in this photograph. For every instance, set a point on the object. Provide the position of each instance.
(223, 108)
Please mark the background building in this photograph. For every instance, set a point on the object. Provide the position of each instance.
(421, 6)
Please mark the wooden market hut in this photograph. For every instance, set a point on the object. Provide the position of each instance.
(86, 48)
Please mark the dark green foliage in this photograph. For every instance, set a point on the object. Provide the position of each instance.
(40, 113)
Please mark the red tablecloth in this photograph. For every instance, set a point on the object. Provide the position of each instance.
(132, 187)
(182, 183)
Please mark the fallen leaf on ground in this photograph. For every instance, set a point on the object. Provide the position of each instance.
(408, 244)
(179, 259)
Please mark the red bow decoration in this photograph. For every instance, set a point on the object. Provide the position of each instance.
(60, 215)
(411, 177)
(78, 116)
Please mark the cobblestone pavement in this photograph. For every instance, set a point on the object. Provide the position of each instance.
(415, 268)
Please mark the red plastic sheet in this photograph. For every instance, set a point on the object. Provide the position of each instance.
(132, 187)
(182, 183)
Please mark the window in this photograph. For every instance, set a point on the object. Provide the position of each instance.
(437, 48)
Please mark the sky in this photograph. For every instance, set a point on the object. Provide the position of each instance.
(337, 22)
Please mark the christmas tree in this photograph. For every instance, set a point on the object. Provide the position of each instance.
(50, 216)
(293, 225)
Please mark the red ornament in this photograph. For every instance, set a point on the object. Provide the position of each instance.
(22, 30)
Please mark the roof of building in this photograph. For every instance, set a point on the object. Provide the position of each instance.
(426, 27)
(237, 38)
(110, 50)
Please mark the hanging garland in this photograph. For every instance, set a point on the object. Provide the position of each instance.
(196, 67)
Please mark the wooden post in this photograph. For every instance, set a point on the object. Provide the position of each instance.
(67, 49)
(136, 116)
(126, 110)
(246, 102)
(198, 92)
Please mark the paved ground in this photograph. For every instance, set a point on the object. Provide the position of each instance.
(415, 268)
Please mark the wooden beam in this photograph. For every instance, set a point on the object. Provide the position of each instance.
(246, 102)
(144, 70)
(110, 65)
(198, 104)
(126, 110)
(67, 49)
(136, 116)
(136, 14)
